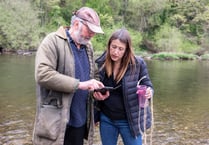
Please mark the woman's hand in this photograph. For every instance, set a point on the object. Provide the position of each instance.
(100, 96)
(149, 93)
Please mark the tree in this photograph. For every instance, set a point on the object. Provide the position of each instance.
(192, 18)
(141, 14)
(19, 25)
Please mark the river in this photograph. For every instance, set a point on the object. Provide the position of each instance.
(181, 101)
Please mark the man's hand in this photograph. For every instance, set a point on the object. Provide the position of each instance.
(90, 85)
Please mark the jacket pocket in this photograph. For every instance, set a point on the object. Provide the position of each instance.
(48, 122)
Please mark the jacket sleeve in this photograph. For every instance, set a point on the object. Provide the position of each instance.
(144, 72)
(46, 73)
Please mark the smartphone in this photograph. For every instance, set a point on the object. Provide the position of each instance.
(105, 89)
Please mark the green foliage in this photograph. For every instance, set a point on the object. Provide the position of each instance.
(205, 41)
(136, 37)
(191, 17)
(100, 41)
(68, 8)
(172, 26)
(171, 39)
(56, 18)
(168, 39)
(174, 56)
(19, 25)
(205, 57)
(177, 20)
(101, 6)
(188, 46)
(186, 56)
(165, 56)
(141, 16)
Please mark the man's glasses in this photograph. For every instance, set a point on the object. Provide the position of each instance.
(89, 31)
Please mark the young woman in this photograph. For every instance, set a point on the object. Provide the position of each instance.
(120, 69)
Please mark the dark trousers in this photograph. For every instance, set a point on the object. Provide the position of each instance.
(74, 135)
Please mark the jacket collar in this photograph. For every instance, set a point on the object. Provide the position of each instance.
(61, 32)
(101, 59)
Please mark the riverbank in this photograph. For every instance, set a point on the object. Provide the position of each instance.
(169, 56)
(145, 55)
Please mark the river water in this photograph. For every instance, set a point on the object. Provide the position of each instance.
(181, 101)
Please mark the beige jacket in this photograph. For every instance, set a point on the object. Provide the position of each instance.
(56, 84)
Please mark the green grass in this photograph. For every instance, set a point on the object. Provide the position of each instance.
(174, 56)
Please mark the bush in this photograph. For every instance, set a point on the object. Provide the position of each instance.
(168, 39)
(174, 56)
(20, 27)
(100, 40)
(205, 57)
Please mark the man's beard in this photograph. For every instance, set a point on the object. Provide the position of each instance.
(80, 39)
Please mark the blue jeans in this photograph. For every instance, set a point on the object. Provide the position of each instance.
(110, 130)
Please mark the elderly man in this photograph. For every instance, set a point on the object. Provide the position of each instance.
(64, 72)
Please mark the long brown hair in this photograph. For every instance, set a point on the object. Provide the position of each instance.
(128, 57)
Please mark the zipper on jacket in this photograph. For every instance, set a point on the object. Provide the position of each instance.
(128, 112)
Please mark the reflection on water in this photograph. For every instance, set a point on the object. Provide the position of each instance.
(180, 103)
(17, 99)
